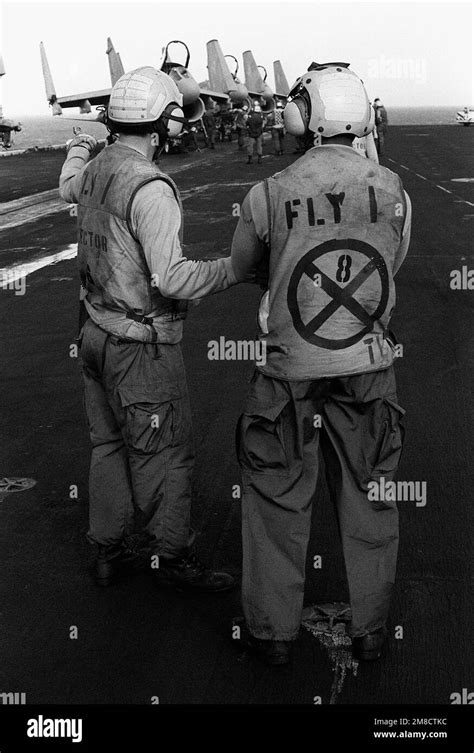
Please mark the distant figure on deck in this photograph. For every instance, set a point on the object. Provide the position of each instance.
(255, 126)
(209, 122)
(6, 128)
(240, 123)
(381, 124)
(278, 128)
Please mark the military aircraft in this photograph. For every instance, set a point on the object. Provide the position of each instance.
(255, 87)
(257, 84)
(195, 98)
(6, 125)
(222, 79)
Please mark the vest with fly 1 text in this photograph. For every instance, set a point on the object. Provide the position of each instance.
(335, 225)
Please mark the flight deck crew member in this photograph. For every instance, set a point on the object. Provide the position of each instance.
(255, 126)
(275, 120)
(136, 284)
(381, 124)
(209, 121)
(333, 229)
(240, 123)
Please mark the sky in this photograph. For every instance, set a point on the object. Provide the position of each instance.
(407, 53)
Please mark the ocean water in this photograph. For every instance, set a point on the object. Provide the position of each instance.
(423, 115)
(47, 131)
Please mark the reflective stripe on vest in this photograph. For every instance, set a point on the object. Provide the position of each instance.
(336, 222)
(111, 261)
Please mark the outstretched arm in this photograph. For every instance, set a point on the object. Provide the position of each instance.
(79, 151)
(250, 243)
(156, 220)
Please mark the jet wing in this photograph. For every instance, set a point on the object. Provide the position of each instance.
(99, 97)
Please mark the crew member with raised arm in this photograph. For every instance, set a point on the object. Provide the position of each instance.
(136, 284)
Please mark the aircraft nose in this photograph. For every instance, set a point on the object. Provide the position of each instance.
(239, 93)
(186, 84)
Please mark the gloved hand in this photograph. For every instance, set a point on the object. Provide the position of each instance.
(82, 139)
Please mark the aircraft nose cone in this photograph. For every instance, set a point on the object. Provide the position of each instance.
(239, 93)
(267, 93)
(186, 84)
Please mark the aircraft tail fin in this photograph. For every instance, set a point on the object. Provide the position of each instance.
(281, 82)
(220, 77)
(48, 83)
(115, 64)
(253, 78)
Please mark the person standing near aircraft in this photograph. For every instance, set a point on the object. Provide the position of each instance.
(332, 230)
(136, 283)
(255, 126)
(381, 124)
(209, 122)
(275, 120)
(240, 123)
(6, 128)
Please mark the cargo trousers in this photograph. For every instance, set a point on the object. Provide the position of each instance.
(278, 135)
(137, 408)
(255, 142)
(355, 422)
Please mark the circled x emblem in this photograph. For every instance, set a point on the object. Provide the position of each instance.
(341, 296)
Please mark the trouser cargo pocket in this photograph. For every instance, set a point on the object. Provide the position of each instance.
(261, 440)
(389, 439)
(150, 427)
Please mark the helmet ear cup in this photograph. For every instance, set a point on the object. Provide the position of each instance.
(296, 116)
(371, 125)
(173, 127)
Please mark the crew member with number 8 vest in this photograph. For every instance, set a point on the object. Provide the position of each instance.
(136, 284)
(331, 231)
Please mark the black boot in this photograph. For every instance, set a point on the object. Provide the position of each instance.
(369, 647)
(188, 573)
(269, 651)
(116, 561)
(259, 160)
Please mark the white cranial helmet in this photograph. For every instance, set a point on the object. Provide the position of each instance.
(143, 96)
(329, 100)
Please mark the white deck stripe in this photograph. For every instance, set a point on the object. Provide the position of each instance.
(9, 275)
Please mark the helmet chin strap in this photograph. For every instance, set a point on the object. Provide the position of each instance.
(162, 132)
(169, 116)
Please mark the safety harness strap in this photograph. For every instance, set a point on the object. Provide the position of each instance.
(139, 318)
